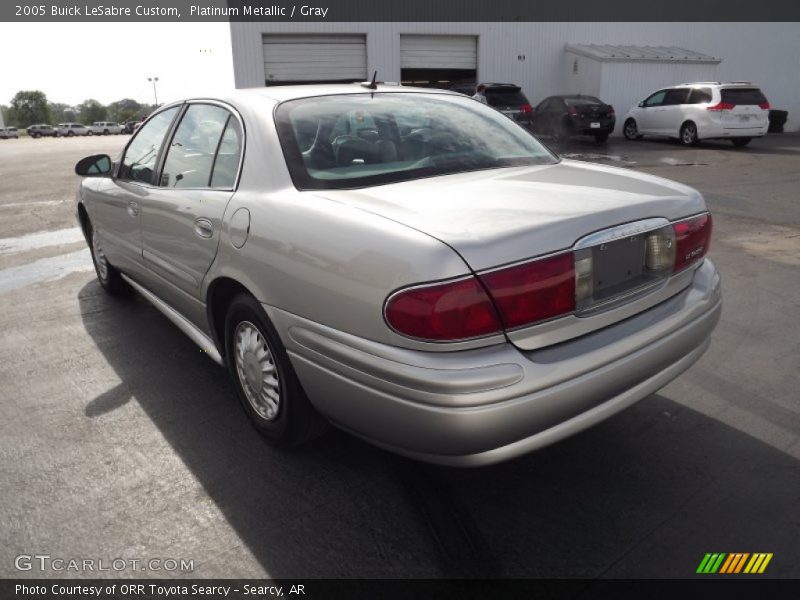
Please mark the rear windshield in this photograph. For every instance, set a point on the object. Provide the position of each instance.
(583, 101)
(358, 140)
(743, 96)
(505, 98)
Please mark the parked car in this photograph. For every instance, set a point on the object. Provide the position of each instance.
(565, 116)
(8, 133)
(72, 129)
(407, 264)
(692, 112)
(129, 127)
(105, 128)
(42, 130)
(505, 97)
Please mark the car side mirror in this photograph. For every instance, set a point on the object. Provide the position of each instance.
(97, 165)
(641, 104)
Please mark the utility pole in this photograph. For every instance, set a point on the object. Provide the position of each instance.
(155, 93)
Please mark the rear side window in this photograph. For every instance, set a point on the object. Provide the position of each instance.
(676, 96)
(192, 157)
(139, 161)
(505, 98)
(743, 96)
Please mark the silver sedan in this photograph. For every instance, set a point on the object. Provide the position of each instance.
(409, 265)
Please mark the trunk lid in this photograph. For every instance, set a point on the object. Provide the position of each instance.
(746, 112)
(501, 216)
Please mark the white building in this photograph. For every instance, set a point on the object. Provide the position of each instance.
(543, 58)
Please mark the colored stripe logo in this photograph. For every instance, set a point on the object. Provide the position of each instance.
(734, 563)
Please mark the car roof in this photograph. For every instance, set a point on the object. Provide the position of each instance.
(282, 93)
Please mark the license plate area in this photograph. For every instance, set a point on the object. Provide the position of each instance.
(595, 125)
(616, 270)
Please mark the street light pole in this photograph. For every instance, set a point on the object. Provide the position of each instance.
(155, 93)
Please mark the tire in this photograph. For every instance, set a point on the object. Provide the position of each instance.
(90, 132)
(740, 142)
(70, 134)
(631, 131)
(688, 134)
(601, 138)
(105, 131)
(109, 277)
(265, 381)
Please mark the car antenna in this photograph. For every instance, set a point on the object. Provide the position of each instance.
(371, 85)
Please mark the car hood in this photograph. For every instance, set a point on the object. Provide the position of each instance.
(501, 216)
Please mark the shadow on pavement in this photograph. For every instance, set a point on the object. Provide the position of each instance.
(645, 494)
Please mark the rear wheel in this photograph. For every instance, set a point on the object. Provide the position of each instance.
(689, 134)
(70, 134)
(740, 142)
(631, 130)
(265, 380)
(105, 131)
(107, 275)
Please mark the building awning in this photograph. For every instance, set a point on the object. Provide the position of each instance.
(671, 54)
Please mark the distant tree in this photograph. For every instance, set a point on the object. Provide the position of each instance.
(59, 112)
(30, 107)
(90, 111)
(124, 110)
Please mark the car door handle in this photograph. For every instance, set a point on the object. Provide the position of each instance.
(133, 208)
(203, 228)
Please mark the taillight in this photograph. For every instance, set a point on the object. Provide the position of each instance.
(692, 240)
(764, 106)
(526, 108)
(443, 312)
(611, 112)
(721, 106)
(534, 291)
(572, 111)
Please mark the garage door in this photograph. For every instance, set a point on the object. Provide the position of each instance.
(321, 58)
(438, 52)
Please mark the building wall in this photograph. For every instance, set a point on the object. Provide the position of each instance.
(766, 53)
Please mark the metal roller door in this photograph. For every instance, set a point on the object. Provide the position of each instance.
(314, 58)
(438, 60)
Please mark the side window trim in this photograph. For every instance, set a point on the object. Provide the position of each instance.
(216, 150)
(162, 152)
(168, 135)
(233, 113)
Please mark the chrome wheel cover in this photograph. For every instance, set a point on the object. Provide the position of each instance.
(630, 129)
(256, 370)
(99, 257)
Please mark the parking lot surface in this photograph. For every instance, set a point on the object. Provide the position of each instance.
(120, 438)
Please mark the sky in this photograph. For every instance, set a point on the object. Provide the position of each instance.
(71, 62)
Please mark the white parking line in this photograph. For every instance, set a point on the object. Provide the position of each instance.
(33, 203)
(45, 269)
(41, 239)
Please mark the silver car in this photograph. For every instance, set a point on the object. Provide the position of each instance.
(409, 265)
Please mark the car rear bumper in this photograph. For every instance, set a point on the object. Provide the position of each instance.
(717, 131)
(483, 406)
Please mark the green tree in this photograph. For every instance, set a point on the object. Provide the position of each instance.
(30, 107)
(61, 113)
(90, 111)
(124, 110)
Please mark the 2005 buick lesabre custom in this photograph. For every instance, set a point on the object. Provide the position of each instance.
(409, 265)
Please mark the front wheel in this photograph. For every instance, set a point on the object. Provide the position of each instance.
(107, 275)
(689, 134)
(631, 130)
(265, 381)
(740, 142)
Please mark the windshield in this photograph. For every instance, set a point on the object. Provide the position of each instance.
(582, 101)
(505, 98)
(358, 140)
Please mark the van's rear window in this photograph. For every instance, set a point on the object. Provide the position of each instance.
(743, 96)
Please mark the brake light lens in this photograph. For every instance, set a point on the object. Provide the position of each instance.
(692, 240)
(534, 291)
(572, 111)
(611, 112)
(526, 108)
(764, 106)
(721, 106)
(443, 312)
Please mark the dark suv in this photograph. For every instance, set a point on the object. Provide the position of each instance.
(36, 131)
(505, 97)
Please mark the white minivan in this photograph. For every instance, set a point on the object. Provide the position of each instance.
(691, 112)
(105, 127)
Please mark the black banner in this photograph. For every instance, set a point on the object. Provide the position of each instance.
(730, 588)
(403, 10)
